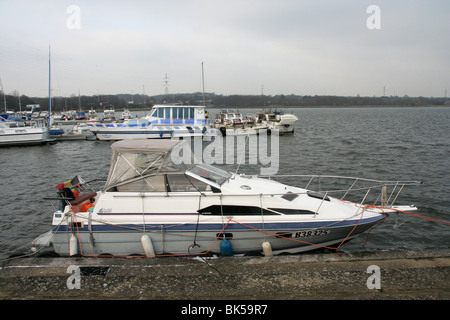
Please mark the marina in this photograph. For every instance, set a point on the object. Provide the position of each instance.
(311, 163)
(90, 159)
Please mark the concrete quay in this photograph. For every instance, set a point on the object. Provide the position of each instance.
(389, 275)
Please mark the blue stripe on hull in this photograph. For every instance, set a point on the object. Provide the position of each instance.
(219, 226)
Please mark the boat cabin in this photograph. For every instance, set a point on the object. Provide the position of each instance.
(147, 166)
(177, 115)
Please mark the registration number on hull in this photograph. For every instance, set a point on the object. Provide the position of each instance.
(310, 233)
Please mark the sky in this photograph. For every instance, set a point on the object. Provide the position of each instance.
(270, 47)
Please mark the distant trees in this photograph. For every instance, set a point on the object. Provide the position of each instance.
(121, 101)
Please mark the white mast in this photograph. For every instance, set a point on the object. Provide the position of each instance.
(49, 90)
(203, 86)
(4, 94)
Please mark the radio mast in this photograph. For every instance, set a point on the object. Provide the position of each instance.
(166, 84)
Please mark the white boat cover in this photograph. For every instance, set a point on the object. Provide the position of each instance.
(134, 160)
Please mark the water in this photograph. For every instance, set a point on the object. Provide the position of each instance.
(377, 143)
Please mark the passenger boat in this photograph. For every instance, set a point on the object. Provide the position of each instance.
(276, 120)
(164, 121)
(13, 133)
(154, 205)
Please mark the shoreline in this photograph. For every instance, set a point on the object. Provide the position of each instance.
(402, 275)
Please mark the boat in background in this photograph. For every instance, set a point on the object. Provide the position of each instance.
(109, 114)
(276, 120)
(232, 123)
(79, 131)
(126, 115)
(163, 121)
(14, 133)
(92, 117)
(154, 205)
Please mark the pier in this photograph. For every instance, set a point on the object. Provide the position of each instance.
(389, 275)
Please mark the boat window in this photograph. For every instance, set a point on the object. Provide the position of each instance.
(129, 167)
(160, 112)
(191, 113)
(183, 183)
(291, 211)
(167, 113)
(210, 173)
(149, 184)
(289, 196)
(180, 113)
(234, 210)
(175, 113)
(318, 195)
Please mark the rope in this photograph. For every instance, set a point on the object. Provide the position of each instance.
(276, 235)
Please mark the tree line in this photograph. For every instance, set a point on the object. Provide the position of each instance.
(139, 101)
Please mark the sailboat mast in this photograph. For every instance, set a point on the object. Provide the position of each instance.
(4, 94)
(203, 86)
(49, 90)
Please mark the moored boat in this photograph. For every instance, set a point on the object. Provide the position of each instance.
(79, 131)
(232, 123)
(276, 120)
(153, 204)
(164, 121)
(13, 133)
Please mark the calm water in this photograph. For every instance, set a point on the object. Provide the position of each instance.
(378, 143)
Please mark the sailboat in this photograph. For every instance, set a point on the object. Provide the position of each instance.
(20, 132)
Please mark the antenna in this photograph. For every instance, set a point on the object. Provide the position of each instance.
(166, 84)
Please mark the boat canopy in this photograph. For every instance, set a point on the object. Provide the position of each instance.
(134, 160)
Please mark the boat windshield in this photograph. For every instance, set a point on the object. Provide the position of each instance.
(210, 173)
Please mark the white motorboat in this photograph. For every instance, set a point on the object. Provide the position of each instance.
(79, 131)
(92, 117)
(276, 120)
(126, 115)
(164, 121)
(109, 115)
(13, 133)
(153, 205)
(232, 123)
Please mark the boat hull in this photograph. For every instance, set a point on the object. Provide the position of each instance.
(24, 136)
(188, 239)
(114, 132)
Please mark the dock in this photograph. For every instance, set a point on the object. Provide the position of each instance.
(385, 275)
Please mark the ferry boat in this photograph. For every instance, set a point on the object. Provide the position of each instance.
(152, 205)
(164, 121)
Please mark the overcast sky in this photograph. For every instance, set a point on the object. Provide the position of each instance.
(313, 47)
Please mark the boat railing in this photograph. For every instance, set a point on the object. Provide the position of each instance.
(387, 192)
